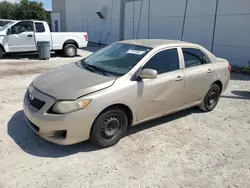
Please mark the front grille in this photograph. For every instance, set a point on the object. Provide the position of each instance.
(36, 103)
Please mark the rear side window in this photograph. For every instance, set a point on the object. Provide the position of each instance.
(39, 27)
(194, 57)
(164, 61)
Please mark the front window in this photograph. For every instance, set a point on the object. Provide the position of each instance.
(21, 27)
(116, 59)
(164, 61)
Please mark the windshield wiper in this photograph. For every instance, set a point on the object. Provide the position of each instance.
(98, 69)
(86, 66)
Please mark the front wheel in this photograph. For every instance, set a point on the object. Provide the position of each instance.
(211, 99)
(70, 50)
(109, 128)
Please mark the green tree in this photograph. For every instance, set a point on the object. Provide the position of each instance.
(30, 10)
(25, 10)
(6, 10)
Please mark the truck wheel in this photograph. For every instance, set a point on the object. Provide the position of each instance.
(1, 53)
(70, 50)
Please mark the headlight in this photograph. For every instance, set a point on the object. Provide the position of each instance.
(64, 107)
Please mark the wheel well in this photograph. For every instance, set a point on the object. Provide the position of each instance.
(219, 83)
(1, 46)
(70, 42)
(126, 109)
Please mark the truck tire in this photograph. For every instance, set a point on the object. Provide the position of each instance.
(1, 53)
(70, 50)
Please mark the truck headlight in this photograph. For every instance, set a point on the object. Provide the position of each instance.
(64, 107)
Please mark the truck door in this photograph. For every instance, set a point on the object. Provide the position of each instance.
(42, 32)
(21, 37)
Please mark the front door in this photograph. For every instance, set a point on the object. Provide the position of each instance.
(198, 75)
(163, 94)
(21, 37)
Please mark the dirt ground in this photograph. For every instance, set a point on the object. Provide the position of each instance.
(186, 149)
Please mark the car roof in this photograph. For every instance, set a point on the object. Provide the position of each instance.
(154, 43)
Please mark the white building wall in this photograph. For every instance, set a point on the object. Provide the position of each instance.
(164, 19)
(81, 16)
(232, 34)
(199, 23)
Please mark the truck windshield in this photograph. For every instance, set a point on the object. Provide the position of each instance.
(116, 59)
(5, 26)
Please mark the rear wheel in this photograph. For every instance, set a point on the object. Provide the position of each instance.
(109, 128)
(1, 53)
(211, 99)
(70, 50)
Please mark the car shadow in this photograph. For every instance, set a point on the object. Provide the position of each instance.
(29, 56)
(31, 143)
(164, 119)
(244, 95)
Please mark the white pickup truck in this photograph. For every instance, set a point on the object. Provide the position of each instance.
(22, 36)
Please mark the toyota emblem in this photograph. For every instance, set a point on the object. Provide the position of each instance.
(31, 97)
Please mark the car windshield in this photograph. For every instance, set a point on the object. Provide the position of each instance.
(116, 59)
(5, 26)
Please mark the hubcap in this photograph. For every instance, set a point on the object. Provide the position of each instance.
(110, 128)
(212, 97)
(71, 51)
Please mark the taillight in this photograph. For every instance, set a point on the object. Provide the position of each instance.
(230, 68)
(86, 37)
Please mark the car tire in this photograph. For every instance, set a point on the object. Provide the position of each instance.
(109, 127)
(1, 53)
(70, 50)
(211, 99)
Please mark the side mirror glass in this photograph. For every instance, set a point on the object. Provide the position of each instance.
(148, 74)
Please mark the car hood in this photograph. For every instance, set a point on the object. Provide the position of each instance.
(71, 82)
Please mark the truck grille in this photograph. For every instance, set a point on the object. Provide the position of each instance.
(36, 103)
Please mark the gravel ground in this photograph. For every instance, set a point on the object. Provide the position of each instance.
(186, 149)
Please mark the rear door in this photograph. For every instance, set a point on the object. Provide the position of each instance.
(163, 94)
(198, 75)
(42, 32)
(21, 37)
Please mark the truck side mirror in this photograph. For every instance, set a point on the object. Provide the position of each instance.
(8, 31)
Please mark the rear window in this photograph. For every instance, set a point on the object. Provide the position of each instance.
(39, 27)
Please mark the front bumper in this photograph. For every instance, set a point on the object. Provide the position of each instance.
(62, 129)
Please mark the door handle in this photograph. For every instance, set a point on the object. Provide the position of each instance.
(29, 35)
(179, 78)
(209, 71)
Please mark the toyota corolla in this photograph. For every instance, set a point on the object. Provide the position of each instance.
(122, 85)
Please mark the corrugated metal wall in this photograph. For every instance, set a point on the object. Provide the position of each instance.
(167, 19)
(81, 16)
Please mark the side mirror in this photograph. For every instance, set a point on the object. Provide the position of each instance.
(148, 74)
(8, 32)
(205, 60)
